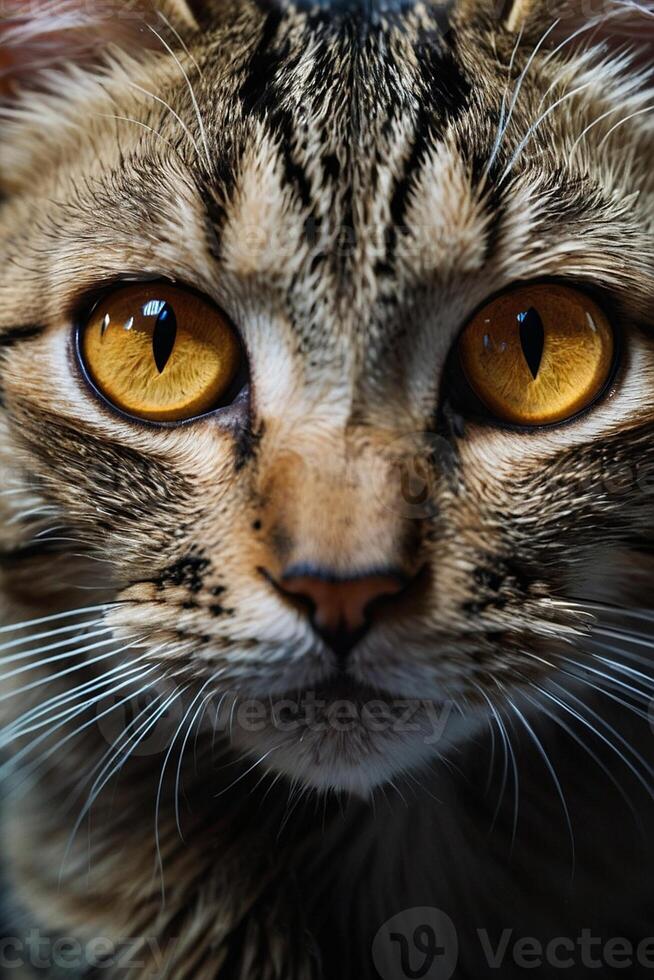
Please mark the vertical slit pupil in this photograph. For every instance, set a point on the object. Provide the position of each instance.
(532, 339)
(164, 336)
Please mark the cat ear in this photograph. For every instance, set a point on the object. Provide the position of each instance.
(515, 15)
(203, 11)
(612, 20)
(42, 34)
(622, 28)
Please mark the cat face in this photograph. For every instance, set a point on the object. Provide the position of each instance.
(348, 526)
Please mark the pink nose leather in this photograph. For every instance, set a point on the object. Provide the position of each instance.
(341, 606)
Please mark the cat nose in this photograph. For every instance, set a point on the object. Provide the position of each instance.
(340, 609)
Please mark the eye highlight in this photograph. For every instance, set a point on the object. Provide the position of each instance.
(538, 354)
(161, 353)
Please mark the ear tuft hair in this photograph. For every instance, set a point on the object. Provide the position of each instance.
(621, 20)
(614, 28)
(622, 28)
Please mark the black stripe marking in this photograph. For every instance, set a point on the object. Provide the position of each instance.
(493, 201)
(217, 194)
(30, 551)
(446, 97)
(262, 97)
(14, 335)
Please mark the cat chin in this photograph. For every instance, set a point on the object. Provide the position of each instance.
(349, 750)
(342, 771)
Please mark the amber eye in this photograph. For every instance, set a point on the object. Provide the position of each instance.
(160, 352)
(538, 354)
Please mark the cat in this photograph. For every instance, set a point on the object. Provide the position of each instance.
(326, 515)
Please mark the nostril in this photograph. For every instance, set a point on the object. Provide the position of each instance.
(339, 608)
(341, 604)
(342, 641)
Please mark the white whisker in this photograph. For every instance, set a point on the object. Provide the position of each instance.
(136, 122)
(78, 731)
(602, 738)
(81, 636)
(171, 27)
(624, 669)
(632, 115)
(595, 122)
(116, 747)
(516, 93)
(69, 670)
(637, 692)
(161, 782)
(39, 512)
(203, 132)
(170, 109)
(180, 761)
(46, 635)
(26, 624)
(73, 710)
(579, 741)
(247, 771)
(114, 764)
(17, 728)
(607, 726)
(535, 126)
(59, 656)
(610, 695)
(552, 771)
(505, 96)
